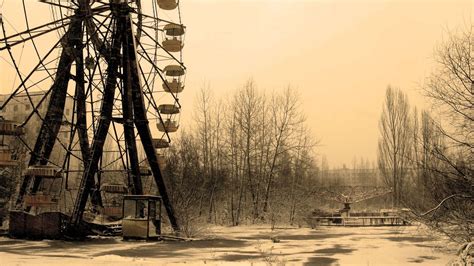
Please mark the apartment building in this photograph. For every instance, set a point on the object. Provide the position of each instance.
(21, 106)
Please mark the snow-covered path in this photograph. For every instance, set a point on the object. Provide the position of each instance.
(244, 246)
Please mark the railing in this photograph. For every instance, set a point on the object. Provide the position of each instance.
(358, 221)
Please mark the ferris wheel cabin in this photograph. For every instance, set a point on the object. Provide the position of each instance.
(10, 128)
(112, 199)
(174, 75)
(173, 38)
(167, 4)
(168, 121)
(168, 109)
(160, 143)
(168, 125)
(44, 171)
(43, 218)
(6, 156)
(46, 198)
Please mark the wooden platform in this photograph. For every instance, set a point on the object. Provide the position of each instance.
(358, 221)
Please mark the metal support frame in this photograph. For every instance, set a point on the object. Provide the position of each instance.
(54, 116)
(101, 131)
(127, 109)
(141, 122)
(122, 64)
(134, 113)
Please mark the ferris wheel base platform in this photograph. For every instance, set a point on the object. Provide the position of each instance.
(53, 225)
(46, 225)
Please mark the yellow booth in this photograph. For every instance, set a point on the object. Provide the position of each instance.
(141, 217)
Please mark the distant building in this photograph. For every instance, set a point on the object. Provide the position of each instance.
(22, 105)
(352, 177)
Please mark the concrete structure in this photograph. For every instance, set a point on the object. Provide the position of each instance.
(19, 108)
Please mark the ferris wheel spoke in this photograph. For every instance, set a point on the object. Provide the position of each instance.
(18, 38)
(57, 4)
(155, 28)
(141, 52)
(93, 31)
(156, 19)
(35, 109)
(101, 132)
(33, 41)
(150, 98)
(121, 149)
(112, 162)
(27, 78)
(92, 87)
(149, 81)
(91, 74)
(50, 127)
(37, 28)
(36, 83)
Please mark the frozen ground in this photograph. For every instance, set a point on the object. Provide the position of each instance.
(244, 246)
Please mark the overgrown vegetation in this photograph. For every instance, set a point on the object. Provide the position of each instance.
(251, 159)
(247, 159)
(427, 158)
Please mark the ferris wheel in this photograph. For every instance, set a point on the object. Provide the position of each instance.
(91, 76)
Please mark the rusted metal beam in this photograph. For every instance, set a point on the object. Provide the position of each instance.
(53, 120)
(101, 131)
(127, 110)
(142, 125)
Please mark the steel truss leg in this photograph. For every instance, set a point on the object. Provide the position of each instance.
(127, 109)
(134, 112)
(101, 131)
(81, 123)
(54, 116)
(143, 129)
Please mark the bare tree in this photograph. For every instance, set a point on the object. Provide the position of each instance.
(203, 118)
(243, 153)
(451, 87)
(286, 119)
(395, 140)
(447, 147)
(185, 177)
(249, 108)
(302, 164)
(233, 162)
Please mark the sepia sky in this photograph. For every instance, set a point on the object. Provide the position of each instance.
(340, 54)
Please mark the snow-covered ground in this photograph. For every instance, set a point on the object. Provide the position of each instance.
(244, 246)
